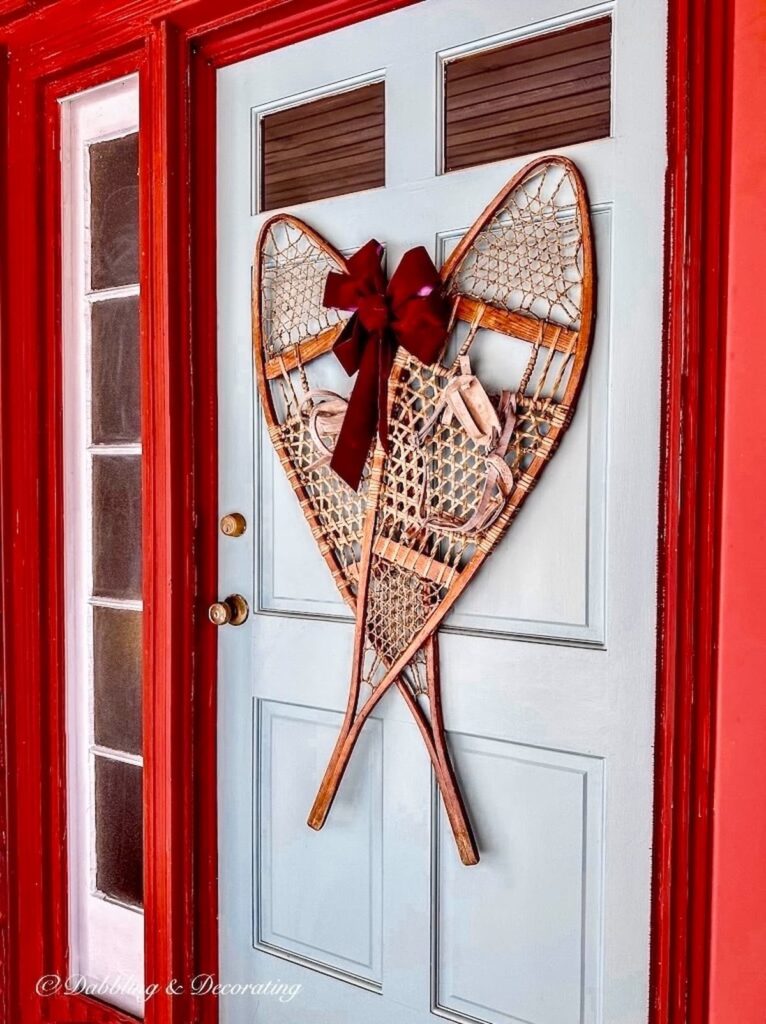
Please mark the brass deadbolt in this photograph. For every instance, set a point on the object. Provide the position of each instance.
(232, 610)
(233, 524)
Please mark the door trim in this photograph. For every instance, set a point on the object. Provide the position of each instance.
(177, 45)
(700, 54)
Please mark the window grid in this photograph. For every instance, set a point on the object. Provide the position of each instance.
(94, 450)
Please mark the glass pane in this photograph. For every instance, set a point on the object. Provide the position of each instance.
(119, 831)
(117, 679)
(114, 212)
(117, 526)
(115, 394)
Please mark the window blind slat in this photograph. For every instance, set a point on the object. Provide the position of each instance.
(512, 105)
(525, 84)
(531, 50)
(279, 156)
(304, 118)
(573, 132)
(352, 165)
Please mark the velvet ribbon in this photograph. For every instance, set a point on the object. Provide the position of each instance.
(410, 311)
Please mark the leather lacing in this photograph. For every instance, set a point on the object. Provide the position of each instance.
(463, 399)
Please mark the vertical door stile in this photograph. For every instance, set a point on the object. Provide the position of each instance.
(171, 602)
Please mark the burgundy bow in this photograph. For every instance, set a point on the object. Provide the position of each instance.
(409, 311)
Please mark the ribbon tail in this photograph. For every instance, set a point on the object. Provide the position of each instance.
(386, 350)
(349, 345)
(359, 423)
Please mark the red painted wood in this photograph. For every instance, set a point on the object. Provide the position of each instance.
(738, 953)
(5, 922)
(698, 96)
(260, 31)
(169, 589)
(54, 723)
(204, 359)
(79, 1010)
(12, 10)
(67, 32)
(24, 540)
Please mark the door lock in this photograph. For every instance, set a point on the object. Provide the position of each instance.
(232, 610)
(233, 524)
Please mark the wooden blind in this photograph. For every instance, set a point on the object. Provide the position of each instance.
(327, 147)
(538, 94)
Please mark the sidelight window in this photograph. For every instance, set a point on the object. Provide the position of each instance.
(103, 533)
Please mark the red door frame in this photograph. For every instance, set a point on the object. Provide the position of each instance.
(53, 47)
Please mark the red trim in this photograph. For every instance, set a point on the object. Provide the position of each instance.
(204, 359)
(54, 724)
(261, 31)
(49, 43)
(169, 589)
(699, 99)
(5, 908)
(25, 544)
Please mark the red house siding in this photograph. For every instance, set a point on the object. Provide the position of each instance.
(738, 971)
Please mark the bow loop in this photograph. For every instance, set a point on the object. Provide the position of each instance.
(365, 279)
(410, 311)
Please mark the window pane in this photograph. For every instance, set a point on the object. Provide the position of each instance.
(328, 147)
(115, 389)
(117, 678)
(114, 212)
(537, 94)
(117, 526)
(119, 830)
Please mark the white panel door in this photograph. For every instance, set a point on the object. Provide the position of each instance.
(548, 659)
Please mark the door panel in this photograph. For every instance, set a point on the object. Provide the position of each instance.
(547, 660)
(540, 897)
(343, 930)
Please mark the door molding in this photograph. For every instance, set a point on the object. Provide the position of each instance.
(697, 208)
(176, 46)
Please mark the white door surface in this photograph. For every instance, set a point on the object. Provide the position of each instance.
(548, 659)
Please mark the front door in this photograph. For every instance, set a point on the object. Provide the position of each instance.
(389, 129)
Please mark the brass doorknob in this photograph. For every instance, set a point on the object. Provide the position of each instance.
(233, 524)
(232, 610)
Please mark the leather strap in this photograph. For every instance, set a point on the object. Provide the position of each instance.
(328, 410)
(465, 400)
(499, 481)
